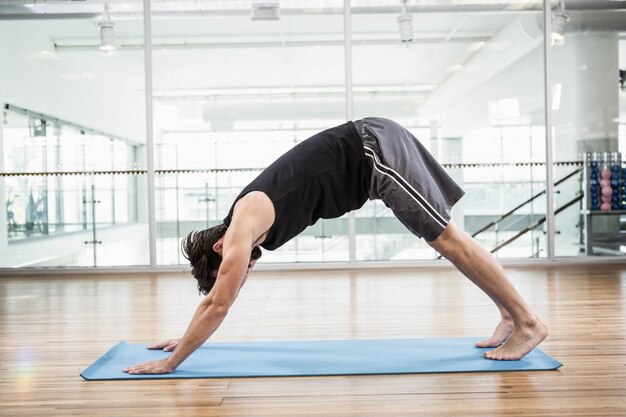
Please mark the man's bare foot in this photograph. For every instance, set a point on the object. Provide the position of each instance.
(523, 339)
(503, 330)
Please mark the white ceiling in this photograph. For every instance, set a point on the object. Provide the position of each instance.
(206, 52)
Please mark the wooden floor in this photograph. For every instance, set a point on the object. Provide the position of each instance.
(53, 327)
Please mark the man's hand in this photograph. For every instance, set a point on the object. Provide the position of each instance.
(249, 224)
(167, 346)
(152, 367)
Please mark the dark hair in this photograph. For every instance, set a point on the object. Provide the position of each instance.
(197, 248)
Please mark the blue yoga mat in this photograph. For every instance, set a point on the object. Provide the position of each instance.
(327, 357)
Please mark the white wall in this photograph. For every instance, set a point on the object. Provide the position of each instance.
(508, 66)
(521, 76)
(3, 211)
(586, 67)
(84, 87)
(100, 92)
(522, 80)
(121, 245)
(622, 65)
(3, 204)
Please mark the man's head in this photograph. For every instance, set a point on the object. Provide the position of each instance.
(203, 249)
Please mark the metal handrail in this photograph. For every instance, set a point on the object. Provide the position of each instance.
(510, 212)
(252, 169)
(537, 223)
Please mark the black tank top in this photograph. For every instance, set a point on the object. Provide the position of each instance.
(324, 176)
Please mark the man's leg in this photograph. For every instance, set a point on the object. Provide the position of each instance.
(522, 327)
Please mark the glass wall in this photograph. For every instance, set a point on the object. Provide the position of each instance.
(589, 112)
(233, 91)
(467, 81)
(73, 182)
(236, 84)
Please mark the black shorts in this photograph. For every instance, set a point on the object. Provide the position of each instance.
(407, 178)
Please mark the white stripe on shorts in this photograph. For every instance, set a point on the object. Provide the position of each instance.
(412, 192)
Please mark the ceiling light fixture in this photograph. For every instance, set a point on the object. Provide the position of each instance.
(405, 22)
(267, 10)
(560, 18)
(107, 35)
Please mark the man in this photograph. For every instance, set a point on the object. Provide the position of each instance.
(325, 176)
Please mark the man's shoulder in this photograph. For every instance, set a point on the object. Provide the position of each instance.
(255, 199)
(255, 210)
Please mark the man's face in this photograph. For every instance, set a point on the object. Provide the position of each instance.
(251, 265)
(254, 256)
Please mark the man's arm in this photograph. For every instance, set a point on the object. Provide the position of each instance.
(251, 219)
(215, 306)
(209, 314)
